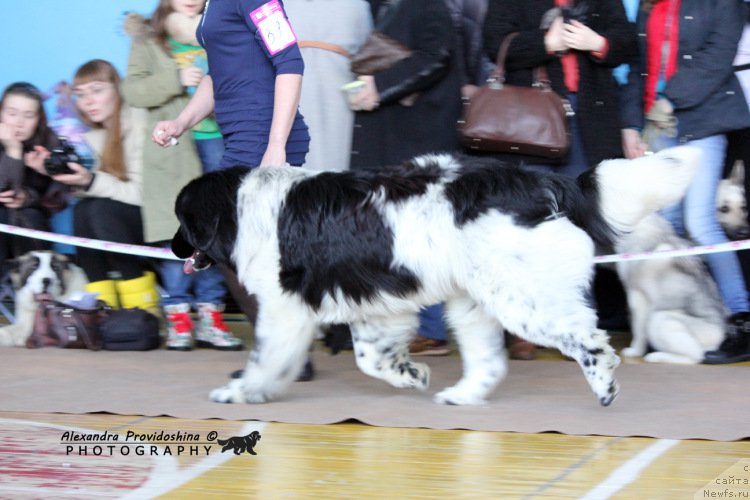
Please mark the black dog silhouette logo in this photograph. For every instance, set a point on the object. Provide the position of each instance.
(240, 444)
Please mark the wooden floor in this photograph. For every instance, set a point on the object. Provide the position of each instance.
(350, 460)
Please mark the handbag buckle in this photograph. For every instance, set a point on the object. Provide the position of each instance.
(568, 108)
(494, 83)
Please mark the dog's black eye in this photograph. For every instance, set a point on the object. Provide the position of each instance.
(724, 209)
(35, 263)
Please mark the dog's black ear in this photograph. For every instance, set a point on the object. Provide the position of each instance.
(62, 260)
(180, 246)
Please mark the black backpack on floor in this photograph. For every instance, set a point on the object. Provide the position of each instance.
(130, 330)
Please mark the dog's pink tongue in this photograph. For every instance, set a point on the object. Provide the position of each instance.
(187, 267)
(42, 296)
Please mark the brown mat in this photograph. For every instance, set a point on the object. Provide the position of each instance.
(661, 401)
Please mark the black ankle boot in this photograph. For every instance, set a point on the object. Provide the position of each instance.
(736, 345)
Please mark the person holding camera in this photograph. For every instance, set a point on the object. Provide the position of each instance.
(111, 193)
(27, 198)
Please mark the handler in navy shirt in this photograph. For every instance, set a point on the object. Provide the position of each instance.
(253, 85)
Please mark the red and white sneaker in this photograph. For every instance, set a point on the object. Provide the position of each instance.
(212, 331)
(179, 327)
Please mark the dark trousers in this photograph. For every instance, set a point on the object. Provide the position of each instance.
(110, 220)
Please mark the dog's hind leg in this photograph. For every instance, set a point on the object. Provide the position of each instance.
(565, 322)
(283, 333)
(480, 341)
(675, 335)
(381, 348)
(596, 358)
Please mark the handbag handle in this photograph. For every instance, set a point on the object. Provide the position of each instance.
(84, 332)
(497, 78)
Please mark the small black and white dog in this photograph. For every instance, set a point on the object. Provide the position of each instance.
(502, 247)
(36, 274)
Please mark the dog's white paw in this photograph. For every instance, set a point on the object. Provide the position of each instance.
(455, 396)
(11, 337)
(413, 376)
(631, 352)
(230, 393)
(606, 393)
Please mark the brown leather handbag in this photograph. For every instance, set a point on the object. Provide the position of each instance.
(503, 118)
(379, 52)
(61, 325)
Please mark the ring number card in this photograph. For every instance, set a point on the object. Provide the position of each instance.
(273, 26)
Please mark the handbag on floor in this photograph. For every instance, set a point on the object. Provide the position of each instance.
(503, 118)
(62, 325)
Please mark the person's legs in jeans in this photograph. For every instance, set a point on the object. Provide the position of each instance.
(210, 152)
(577, 162)
(432, 337)
(699, 206)
(176, 305)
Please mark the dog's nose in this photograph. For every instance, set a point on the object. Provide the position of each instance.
(46, 282)
(742, 233)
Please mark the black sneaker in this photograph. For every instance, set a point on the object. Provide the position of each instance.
(736, 345)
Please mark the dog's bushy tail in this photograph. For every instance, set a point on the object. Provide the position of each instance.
(629, 190)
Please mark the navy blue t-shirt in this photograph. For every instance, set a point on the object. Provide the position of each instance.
(244, 61)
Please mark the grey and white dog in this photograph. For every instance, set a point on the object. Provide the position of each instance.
(675, 306)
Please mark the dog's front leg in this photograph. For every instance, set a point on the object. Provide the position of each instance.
(381, 351)
(283, 334)
(480, 341)
(17, 333)
(639, 313)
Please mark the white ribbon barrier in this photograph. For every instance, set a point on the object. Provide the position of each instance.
(109, 246)
(731, 246)
(165, 253)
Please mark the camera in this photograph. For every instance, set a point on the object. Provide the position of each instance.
(60, 156)
(576, 13)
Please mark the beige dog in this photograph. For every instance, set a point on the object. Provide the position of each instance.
(731, 207)
(34, 274)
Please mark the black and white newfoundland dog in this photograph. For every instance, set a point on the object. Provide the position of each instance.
(501, 246)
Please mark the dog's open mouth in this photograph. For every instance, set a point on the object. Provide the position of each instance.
(38, 297)
(199, 261)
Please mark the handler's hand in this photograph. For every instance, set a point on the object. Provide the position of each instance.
(166, 133)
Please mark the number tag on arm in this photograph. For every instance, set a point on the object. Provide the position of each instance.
(273, 26)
